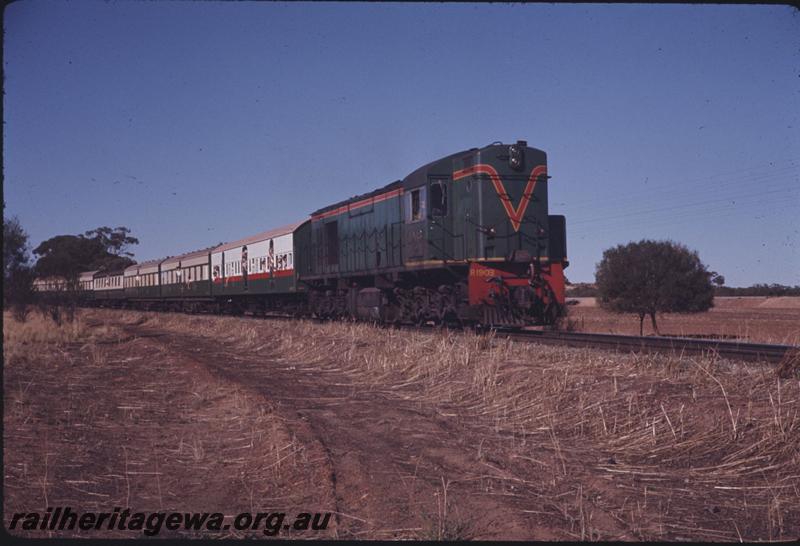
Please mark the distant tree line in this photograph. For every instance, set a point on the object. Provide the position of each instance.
(589, 290)
(758, 290)
(581, 290)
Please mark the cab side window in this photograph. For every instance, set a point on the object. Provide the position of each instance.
(415, 205)
(438, 198)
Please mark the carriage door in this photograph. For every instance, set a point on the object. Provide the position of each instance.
(439, 240)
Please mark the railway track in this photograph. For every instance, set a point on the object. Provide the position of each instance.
(736, 350)
(672, 345)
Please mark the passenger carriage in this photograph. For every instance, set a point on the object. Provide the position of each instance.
(187, 277)
(256, 273)
(108, 288)
(141, 281)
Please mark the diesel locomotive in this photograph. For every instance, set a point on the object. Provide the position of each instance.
(465, 239)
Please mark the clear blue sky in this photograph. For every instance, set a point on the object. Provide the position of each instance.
(199, 122)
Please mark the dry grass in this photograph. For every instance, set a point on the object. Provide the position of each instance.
(95, 419)
(613, 446)
(601, 446)
(40, 333)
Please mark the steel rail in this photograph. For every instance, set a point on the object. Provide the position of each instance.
(673, 345)
(679, 346)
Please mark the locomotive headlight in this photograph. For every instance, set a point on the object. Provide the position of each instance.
(516, 157)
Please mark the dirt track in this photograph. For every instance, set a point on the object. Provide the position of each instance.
(389, 462)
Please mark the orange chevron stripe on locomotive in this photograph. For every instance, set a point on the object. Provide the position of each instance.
(514, 214)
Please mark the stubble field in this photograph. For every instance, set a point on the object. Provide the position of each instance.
(398, 434)
(753, 319)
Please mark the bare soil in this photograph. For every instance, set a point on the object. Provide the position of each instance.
(398, 434)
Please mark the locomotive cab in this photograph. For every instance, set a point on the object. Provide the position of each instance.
(516, 250)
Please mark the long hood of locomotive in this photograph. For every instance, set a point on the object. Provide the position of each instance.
(468, 206)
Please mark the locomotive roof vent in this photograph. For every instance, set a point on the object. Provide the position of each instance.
(522, 143)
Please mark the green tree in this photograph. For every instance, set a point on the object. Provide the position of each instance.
(17, 274)
(115, 241)
(69, 255)
(652, 277)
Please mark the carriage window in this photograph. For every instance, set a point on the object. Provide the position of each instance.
(438, 198)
